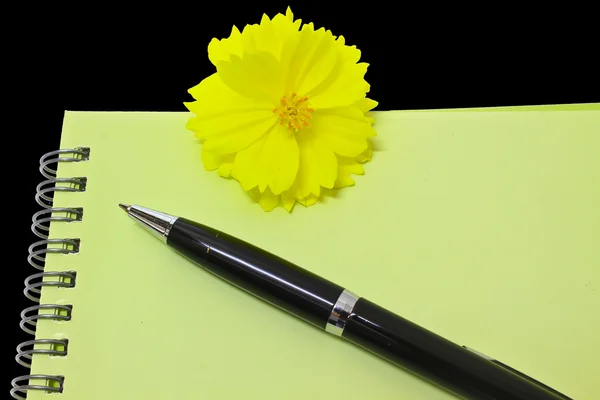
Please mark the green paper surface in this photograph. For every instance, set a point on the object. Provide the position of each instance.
(483, 227)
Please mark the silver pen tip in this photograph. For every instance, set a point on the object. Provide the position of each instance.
(124, 207)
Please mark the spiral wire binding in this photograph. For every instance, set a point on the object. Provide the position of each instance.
(55, 347)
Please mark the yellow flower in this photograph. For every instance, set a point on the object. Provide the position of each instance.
(286, 113)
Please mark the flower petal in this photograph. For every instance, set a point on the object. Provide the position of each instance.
(211, 161)
(217, 162)
(309, 59)
(242, 131)
(309, 200)
(347, 166)
(318, 165)
(219, 109)
(288, 200)
(225, 169)
(269, 163)
(345, 85)
(221, 50)
(285, 27)
(365, 155)
(267, 200)
(247, 165)
(345, 129)
(212, 97)
(344, 180)
(228, 124)
(365, 104)
(254, 75)
(281, 155)
(267, 36)
(271, 35)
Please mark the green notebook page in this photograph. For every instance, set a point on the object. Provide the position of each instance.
(481, 226)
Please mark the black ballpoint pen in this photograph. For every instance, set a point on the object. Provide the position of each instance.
(457, 369)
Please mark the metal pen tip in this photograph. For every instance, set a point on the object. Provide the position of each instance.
(124, 207)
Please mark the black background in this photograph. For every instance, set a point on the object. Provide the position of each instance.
(145, 57)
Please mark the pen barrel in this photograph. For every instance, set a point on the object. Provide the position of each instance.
(263, 274)
(436, 359)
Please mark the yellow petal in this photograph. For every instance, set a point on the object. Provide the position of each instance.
(345, 129)
(285, 27)
(254, 75)
(282, 157)
(365, 155)
(270, 35)
(267, 200)
(264, 36)
(227, 124)
(248, 166)
(348, 53)
(271, 162)
(212, 98)
(214, 161)
(318, 165)
(309, 59)
(344, 180)
(225, 170)
(219, 109)
(346, 84)
(365, 104)
(248, 43)
(309, 200)
(242, 130)
(289, 14)
(221, 50)
(346, 167)
(211, 161)
(288, 200)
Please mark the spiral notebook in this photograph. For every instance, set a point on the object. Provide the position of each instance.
(480, 225)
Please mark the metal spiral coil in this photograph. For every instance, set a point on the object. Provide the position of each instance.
(58, 185)
(52, 384)
(54, 348)
(58, 312)
(41, 220)
(38, 250)
(33, 289)
(77, 154)
(35, 283)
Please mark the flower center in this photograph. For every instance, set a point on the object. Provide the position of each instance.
(293, 112)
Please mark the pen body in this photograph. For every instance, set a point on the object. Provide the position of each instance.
(314, 299)
(257, 271)
(436, 359)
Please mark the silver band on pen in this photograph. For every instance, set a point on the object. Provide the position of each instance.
(340, 312)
